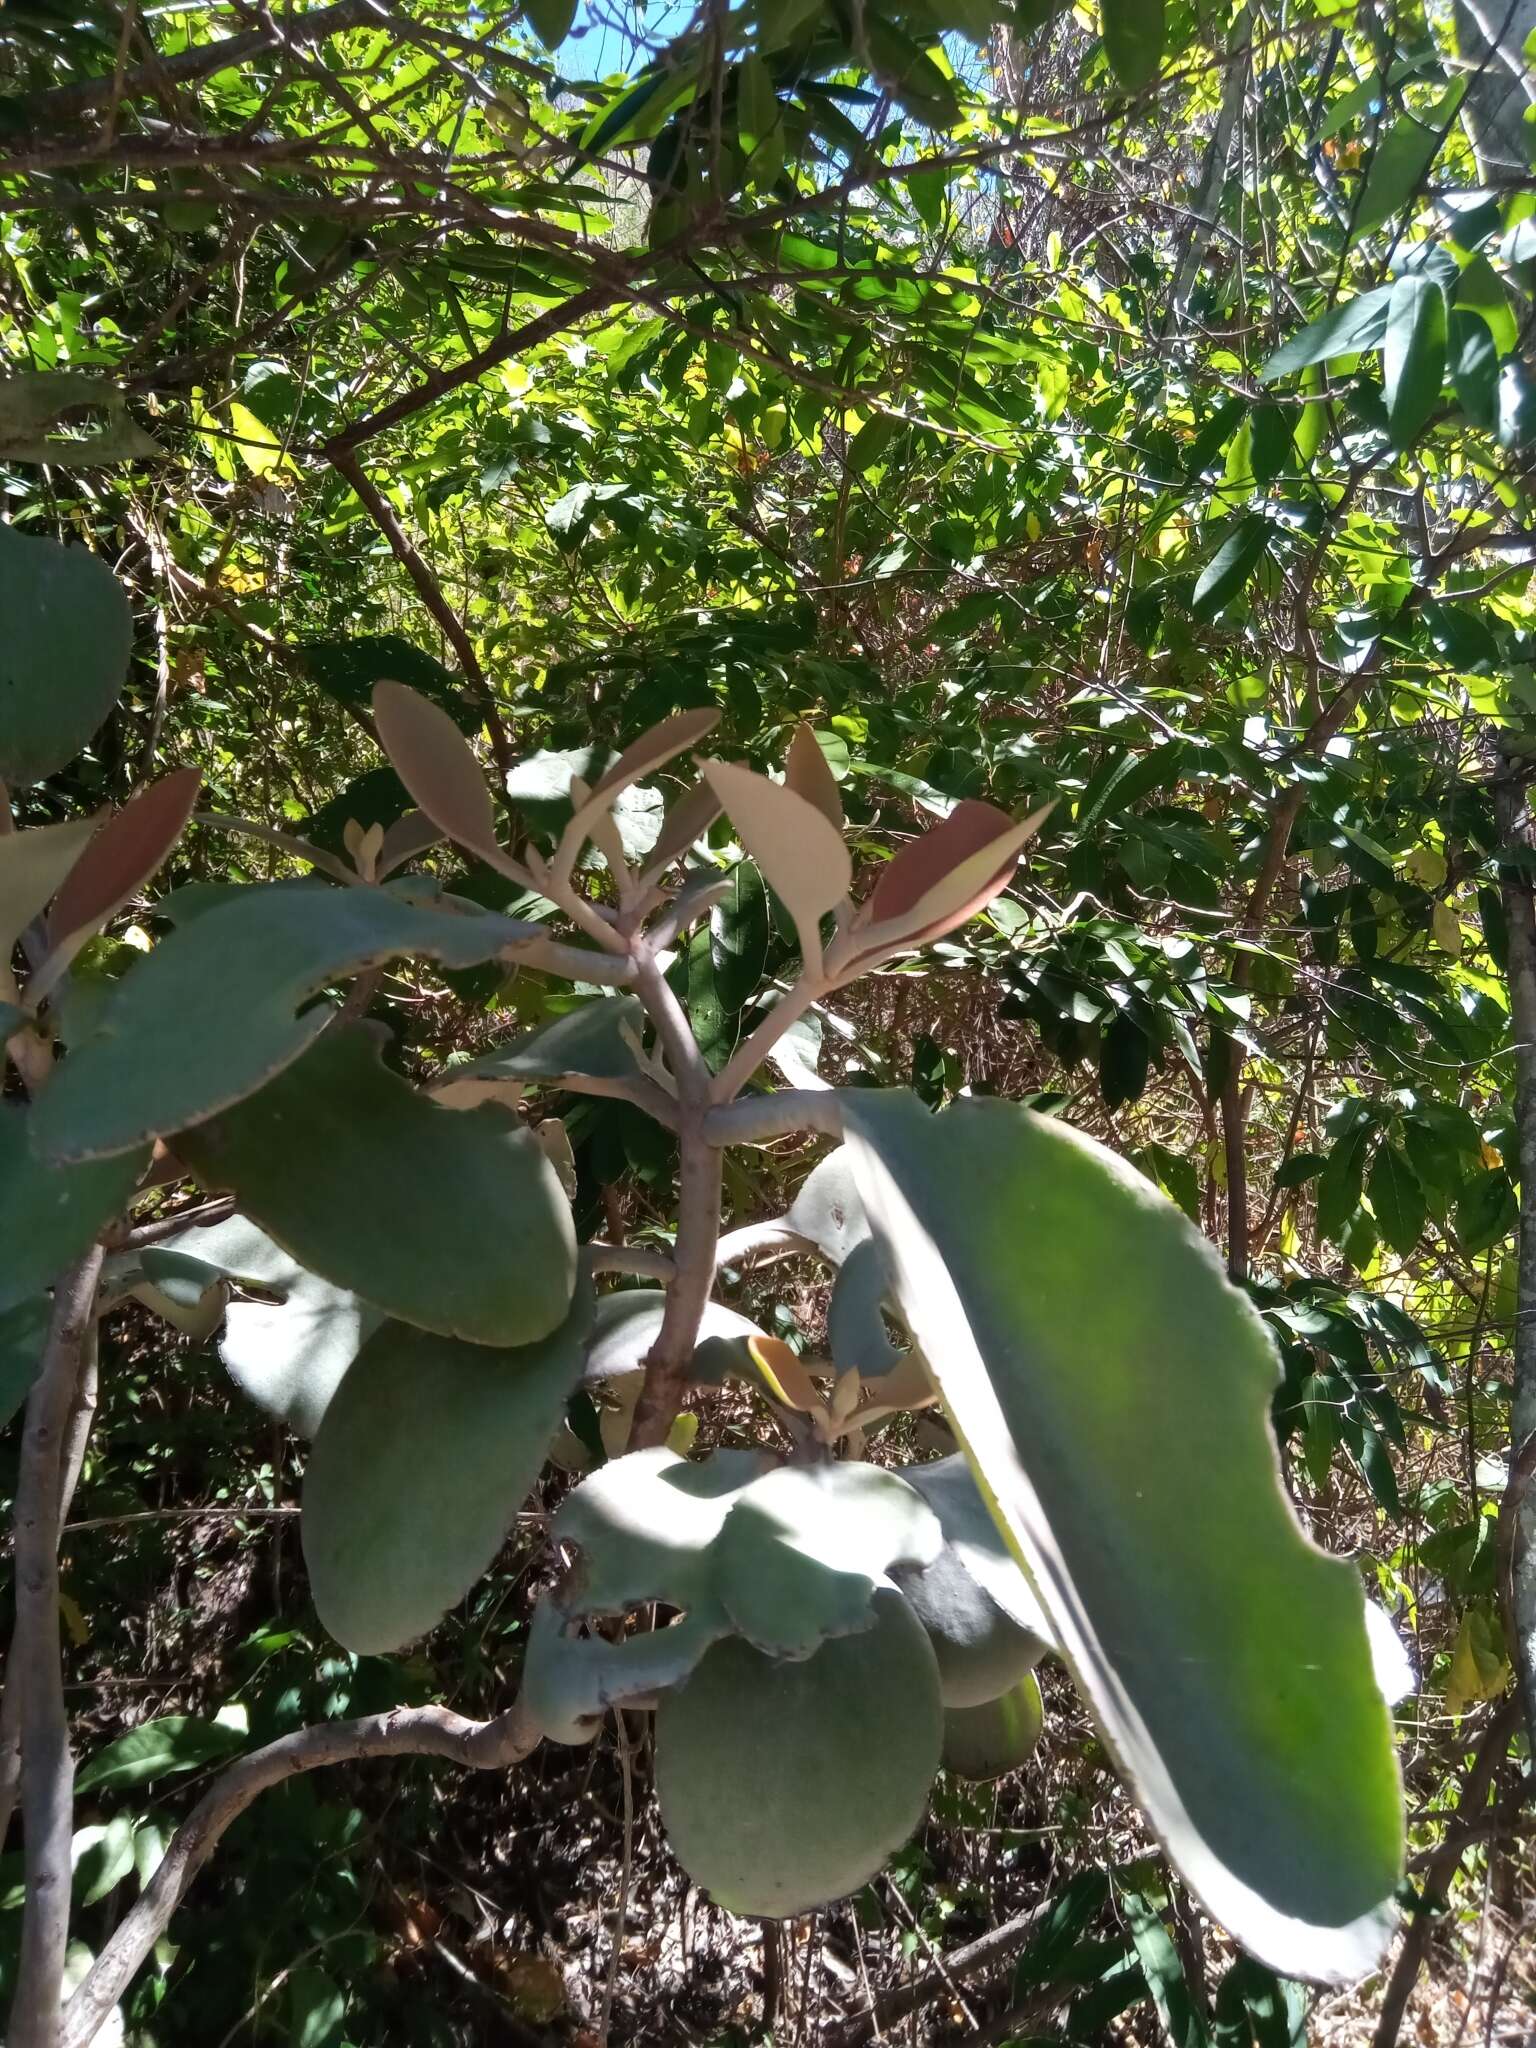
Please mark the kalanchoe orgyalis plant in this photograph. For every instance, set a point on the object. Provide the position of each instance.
(425, 1314)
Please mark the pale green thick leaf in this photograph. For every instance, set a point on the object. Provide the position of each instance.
(829, 1209)
(64, 657)
(595, 1041)
(996, 1736)
(428, 1449)
(50, 1214)
(804, 1550)
(1113, 1393)
(210, 1015)
(784, 1785)
(628, 1324)
(450, 1219)
(290, 1337)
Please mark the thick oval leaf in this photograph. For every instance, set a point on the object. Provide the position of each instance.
(427, 1451)
(121, 857)
(627, 1325)
(68, 635)
(33, 866)
(289, 1336)
(829, 1210)
(800, 852)
(595, 1041)
(1135, 36)
(784, 1785)
(433, 760)
(1413, 355)
(450, 1219)
(210, 1015)
(50, 1214)
(805, 1549)
(990, 1740)
(1113, 1394)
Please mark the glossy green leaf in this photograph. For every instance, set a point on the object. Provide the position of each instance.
(158, 1749)
(1397, 1200)
(450, 1219)
(1230, 567)
(428, 1449)
(1474, 366)
(210, 1015)
(1401, 161)
(1113, 1393)
(68, 635)
(1135, 36)
(784, 1785)
(1413, 355)
(1343, 331)
(49, 1214)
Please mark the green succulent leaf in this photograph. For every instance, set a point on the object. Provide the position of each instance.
(427, 1450)
(804, 1549)
(595, 1041)
(210, 1015)
(450, 1219)
(784, 1785)
(829, 1209)
(23, 1332)
(289, 1336)
(627, 1325)
(50, 1214)
(68, 635)
(996, 1736)
(1113, 1391)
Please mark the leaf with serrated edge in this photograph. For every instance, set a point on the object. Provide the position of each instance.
(1113, 1391)
(237, 974)
(453, 1220)
(433, 759)
(427, 1451)
(807, 774)
(801, 854)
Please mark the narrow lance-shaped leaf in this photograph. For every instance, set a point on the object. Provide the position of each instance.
(1413, 356)
(1358, 324)
(1230, 567)
(1112, 1391)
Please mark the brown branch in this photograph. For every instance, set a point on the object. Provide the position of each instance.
(47, 1768)
(1517, 1517)
(960, 1965)
(406, 1731)
(1486, 1759)
(346, 464)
